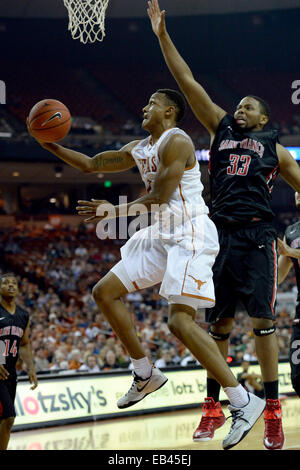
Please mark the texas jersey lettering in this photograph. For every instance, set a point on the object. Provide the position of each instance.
(188, 194)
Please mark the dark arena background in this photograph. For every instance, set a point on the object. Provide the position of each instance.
(234, 49)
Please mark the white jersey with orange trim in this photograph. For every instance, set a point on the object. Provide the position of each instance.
(177, 251)
(189, 192)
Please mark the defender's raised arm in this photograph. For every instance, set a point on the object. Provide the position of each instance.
(208, 113)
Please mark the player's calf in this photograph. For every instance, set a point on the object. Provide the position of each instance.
(6, 425)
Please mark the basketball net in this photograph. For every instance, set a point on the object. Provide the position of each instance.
(86, 19)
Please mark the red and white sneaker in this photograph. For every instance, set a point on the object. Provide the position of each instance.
(273, 437)
(212, 419)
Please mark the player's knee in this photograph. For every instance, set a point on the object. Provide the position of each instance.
(173, 324)
(178, 322)
(7, 424)
(97, 292)
(263, 327)
(100, 294)
(220, 330)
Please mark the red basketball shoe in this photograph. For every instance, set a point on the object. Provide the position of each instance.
(274, 437)
(212, 419)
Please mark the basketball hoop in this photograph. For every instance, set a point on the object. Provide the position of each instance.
(86, 19)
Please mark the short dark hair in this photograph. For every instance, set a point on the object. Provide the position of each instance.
(3, 276)
(178, 100)
(264, 107)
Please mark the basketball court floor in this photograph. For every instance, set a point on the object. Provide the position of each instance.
(163, 431)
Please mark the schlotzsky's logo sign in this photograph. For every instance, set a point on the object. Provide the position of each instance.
(2, 92)
(59, 399)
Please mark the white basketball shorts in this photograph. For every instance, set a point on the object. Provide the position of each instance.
(181, 263)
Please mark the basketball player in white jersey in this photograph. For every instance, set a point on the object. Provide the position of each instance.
(180, 259)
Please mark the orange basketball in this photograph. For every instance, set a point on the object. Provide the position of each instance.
(49, 120)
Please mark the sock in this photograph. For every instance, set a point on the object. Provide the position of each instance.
(142, 367)
(271, 390)
(213, 389)
(237, 396)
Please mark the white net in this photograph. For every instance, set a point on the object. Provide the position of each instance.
(87, 19)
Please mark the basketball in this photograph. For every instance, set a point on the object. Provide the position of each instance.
(49, 120)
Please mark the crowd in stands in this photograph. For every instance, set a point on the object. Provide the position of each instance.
(57, 268)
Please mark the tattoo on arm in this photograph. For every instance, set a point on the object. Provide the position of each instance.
(101, 162)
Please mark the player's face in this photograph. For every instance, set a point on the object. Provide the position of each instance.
(297, 200)
(9, 287)
(248, 114)
(154, 112)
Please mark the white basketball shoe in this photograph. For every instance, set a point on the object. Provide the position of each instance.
(140, 388)
(243, 420)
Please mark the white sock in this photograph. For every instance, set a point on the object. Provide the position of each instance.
(237, 396)
(142, 367)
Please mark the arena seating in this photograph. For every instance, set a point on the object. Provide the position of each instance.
(97, 92)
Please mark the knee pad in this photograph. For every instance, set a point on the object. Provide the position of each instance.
(218, 336)
(264, 331)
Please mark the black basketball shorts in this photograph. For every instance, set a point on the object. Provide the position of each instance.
(294, 355)
(245, 270)
(7, 397)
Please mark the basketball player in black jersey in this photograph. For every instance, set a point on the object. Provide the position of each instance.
(245, 160)
(289, 251)
(14, 343)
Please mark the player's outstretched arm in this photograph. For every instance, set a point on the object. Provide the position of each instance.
(113, 160)
(109, 161)
(206, 111)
